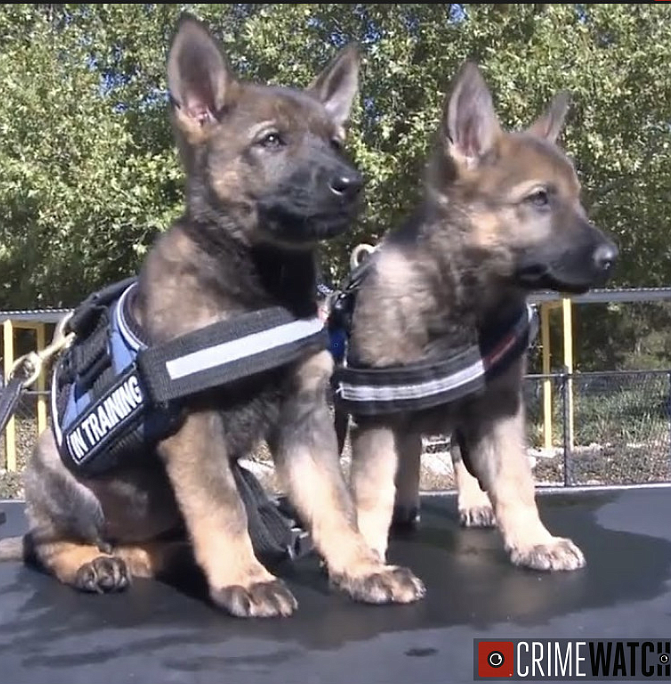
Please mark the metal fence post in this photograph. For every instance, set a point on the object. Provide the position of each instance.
(668, 413)
(566, 426)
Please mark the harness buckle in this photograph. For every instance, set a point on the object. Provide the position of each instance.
(301, 543)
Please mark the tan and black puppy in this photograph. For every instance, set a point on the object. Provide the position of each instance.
(501, 216)
(266, 180)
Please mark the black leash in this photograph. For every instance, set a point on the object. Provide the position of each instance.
(27, 369)
(9, 399)
(11, 393)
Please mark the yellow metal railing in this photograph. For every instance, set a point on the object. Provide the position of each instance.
(566, 306)
(8, 329)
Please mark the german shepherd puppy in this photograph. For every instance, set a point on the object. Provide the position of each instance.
(500, 217)
(266, 180)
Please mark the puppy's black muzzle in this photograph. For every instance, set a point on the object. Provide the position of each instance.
(582, 259)
(316, 201)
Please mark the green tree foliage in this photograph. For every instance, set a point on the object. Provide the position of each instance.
(90, 176)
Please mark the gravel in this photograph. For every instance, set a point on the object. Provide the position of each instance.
(588, 465)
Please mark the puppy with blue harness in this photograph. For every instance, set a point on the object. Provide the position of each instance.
(230, 355)
(114, 395)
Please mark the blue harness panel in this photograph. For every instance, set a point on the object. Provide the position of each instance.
(102, 410)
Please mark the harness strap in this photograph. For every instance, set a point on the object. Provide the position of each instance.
(227, 351)
(112, 390)
(426, 384)
(274, 536)
(419, 385)
(87, 312)
(340, 317)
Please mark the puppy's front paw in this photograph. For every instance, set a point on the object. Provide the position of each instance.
(103, 575)
(381, 584)
(261, 599)
(557, 554)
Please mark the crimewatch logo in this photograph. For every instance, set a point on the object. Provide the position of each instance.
(571, 660)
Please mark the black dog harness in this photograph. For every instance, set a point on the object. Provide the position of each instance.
(366, 390)
(114, 394)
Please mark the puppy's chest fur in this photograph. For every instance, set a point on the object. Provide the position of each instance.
(189, 282)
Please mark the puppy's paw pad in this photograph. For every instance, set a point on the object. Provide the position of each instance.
(262, 599)
(383, 584)
(558, 554)
(477, 516)
(103, 575)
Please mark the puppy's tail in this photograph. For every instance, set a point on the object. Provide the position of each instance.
(13, 549)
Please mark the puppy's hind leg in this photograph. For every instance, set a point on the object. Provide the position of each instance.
(475, 508)
(66, 525)
(57, 501)
(82, 566)
(406, 504)
(85, 568)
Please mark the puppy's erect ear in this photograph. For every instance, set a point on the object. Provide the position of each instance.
(199, 77)
(337, 85)
(550, 124)
(470, 126)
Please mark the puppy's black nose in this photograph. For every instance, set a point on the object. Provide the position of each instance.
(346, 184)
(605, 256)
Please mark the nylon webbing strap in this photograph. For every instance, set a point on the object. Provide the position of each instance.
(226, 351)
(498, 351)
(273, 535)
(9, 398)
(88, 311)
(369, 391)
(373, 391)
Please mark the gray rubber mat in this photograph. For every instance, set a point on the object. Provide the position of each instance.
(158, 634)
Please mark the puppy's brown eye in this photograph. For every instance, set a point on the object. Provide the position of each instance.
(539, 198)
(271, 140)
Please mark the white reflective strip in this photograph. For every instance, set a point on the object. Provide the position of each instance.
(365, 393)
(227, 352)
